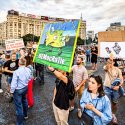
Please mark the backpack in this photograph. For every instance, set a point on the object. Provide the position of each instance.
(71, 89)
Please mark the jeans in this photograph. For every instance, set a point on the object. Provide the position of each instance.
(21, 105)
(0, 80)
(112, 94)
(9, 80)
(88, 58)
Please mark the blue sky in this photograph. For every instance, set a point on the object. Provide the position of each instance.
(97, 13)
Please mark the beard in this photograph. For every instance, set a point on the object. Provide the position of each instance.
(14, 59)
(78, 63)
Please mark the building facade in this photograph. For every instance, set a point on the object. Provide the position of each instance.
(90, 34)
(82, 31)
(3, 32)
(116, 27)
(20, 24)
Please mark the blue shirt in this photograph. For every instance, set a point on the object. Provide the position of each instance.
(17, 55)
(20, 79)
(88, 52)
(103, 105)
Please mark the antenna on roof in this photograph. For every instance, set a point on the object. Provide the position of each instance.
(81, 16)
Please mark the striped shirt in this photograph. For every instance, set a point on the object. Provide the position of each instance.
(79, 74)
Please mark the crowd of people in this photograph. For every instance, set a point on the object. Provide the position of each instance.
(96, 99)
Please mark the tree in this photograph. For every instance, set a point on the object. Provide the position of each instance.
(89, 41)
(80, 41)
(29, 38)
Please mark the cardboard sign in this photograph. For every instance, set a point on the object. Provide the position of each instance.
(13, 44)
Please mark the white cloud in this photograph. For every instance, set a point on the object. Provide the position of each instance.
(97, 13)
(3, 15)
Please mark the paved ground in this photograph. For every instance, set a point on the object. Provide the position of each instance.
(42, 113)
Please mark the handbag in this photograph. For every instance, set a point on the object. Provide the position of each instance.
(87, 119)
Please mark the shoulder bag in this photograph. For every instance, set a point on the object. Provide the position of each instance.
(87, 119)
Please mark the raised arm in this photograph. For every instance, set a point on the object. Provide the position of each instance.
(59, 74)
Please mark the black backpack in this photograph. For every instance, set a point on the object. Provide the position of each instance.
(71, 89)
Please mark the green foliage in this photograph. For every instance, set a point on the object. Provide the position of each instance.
(95, 40)
(89, 41)
(30, 38)
(80, 41)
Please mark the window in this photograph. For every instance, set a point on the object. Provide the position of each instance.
(11, 24)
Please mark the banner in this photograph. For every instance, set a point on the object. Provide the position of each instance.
(117, 49)
(13, 44)
(57, 45)
(111, 43)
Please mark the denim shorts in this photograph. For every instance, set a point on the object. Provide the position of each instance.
(112, 94)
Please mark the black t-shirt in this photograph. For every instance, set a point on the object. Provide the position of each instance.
(5, 65)
(62, 94)
(94, 53)
(12, 66)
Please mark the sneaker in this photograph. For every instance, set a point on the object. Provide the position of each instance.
(71, 108)
(26, 117)
(1, 91)
(79, 113)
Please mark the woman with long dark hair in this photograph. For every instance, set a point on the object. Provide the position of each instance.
(95, 103)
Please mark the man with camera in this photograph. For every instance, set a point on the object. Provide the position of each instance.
(113, 75)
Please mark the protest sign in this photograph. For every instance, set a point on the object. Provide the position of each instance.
(13, 44)
(111, 43)
(57, 45)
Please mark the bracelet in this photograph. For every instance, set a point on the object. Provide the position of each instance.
(54, 70)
